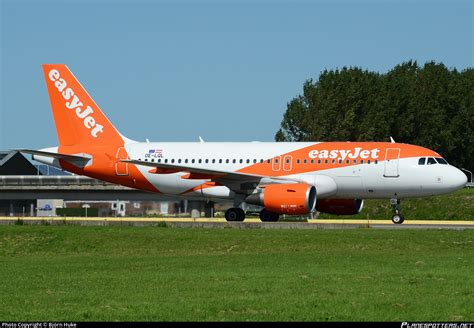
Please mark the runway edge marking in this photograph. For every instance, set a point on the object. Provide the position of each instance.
(367, 223)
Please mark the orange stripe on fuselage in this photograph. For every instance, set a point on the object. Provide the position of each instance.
(352, 151)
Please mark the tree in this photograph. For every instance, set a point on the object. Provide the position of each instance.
(431, 106)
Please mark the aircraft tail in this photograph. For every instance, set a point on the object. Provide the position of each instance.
(79, 121)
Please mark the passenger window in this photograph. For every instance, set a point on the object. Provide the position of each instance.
(206, 161)
(241, 161)
(213, 160)
(153, 160)
(347, 161)
(166, 160)
(220, 161)
(261, 160)
(192, 161)
(199, 161)
(287, 161)
(297, 161)
(159, 160)
(248, 161)
(421, 161)
(431, 160)
(268, 161)
(227, 161)
(333, 161)
(441, 161)
(368, 161)
(304, 161)
(312, 161)
(255, 161)
(179, 160)
(340, 161)
(376, 161)
(233, 161)
(319, 161)
(361, 161)
(325, 161)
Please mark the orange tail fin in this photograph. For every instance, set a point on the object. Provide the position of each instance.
(79, 121)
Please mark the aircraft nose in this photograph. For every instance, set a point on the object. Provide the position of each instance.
(457, 178)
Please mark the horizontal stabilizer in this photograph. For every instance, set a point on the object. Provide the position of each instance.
(74, 159)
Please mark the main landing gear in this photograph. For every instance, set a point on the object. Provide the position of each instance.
(235, 214)
(267, 216)
(397, 216)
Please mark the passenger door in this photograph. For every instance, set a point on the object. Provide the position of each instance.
(392, 156)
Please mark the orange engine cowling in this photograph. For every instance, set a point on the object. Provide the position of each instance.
(340, 206)
(297, 198)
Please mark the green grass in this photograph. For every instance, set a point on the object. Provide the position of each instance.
(73, 273)
(456, 206)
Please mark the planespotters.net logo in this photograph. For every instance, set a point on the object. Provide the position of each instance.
(437, 325)
(75, 104)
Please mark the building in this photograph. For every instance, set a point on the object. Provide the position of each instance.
(14, 163)
(27, 189)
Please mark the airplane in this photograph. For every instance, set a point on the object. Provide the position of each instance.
(293, 178)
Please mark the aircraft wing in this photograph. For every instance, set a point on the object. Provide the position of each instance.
(239, 182)
(198, 173)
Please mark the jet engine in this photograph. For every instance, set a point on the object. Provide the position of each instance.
(297, 198)
(340, 206)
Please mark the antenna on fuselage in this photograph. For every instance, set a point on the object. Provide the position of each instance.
(200, 139)
(391, 140)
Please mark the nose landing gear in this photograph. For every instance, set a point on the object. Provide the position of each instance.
(397, 216)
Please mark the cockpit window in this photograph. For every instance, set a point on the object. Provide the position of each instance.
(441, 160)
(431, 160)
(421, 161)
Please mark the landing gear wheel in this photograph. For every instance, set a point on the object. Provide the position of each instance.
(235, 214)
(398, 218)
(267, 216)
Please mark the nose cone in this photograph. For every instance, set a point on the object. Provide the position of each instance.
(456, 179)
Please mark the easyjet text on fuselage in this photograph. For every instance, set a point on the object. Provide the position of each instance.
(344, 153)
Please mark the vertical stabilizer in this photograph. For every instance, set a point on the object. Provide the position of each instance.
(79, 121)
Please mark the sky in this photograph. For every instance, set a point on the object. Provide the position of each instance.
(222, 70)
